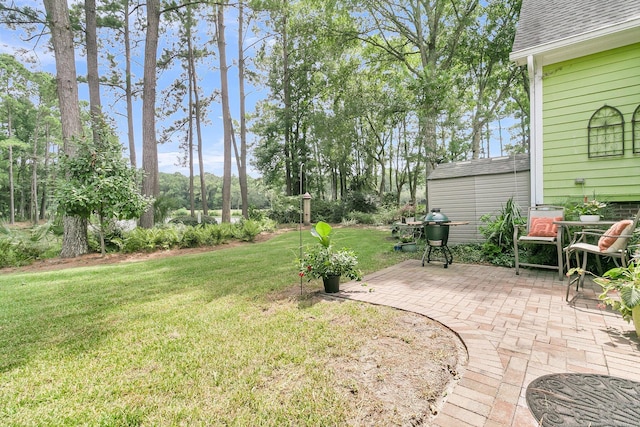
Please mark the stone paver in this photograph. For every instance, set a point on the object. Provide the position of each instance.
(515, 328)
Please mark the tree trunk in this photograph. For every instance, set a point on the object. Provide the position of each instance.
(43, 200)
(34, 172)
(193, 78)
(92, 69)
(288, 151)
(128, 88)
(242, 161)
(74, 240)
(226, 117)
(192, 202)
(12, 208)
(149, 143)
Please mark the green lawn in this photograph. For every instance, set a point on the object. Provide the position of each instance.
(201, 339)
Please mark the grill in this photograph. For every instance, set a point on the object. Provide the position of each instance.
(436, 225)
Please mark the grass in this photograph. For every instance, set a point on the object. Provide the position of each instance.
(203, 339)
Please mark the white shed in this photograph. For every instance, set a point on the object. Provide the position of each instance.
(464, 191)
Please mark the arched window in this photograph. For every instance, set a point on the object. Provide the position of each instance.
(635, 129)
(606, 133)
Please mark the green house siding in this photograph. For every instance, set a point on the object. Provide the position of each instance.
(573, 91)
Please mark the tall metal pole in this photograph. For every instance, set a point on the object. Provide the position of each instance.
(300, 225)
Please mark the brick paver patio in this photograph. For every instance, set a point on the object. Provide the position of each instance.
(515, 328)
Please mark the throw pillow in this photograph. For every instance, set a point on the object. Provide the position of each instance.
(544, 227)
(610, 242)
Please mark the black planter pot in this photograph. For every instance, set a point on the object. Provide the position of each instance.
(331, 284)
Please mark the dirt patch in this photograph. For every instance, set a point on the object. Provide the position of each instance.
(400, 377)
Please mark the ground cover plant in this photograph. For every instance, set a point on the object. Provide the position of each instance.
(215, 338)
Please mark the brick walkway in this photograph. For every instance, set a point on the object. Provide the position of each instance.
(515, 328)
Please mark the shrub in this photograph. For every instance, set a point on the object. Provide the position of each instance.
(328, 210)
(194, 237)
(385, 216)
(249, 229)
(22, 247)
(228, 231)
(15, 253)
(361, 217)
(148, 240)
(256, 214)
(193, 221)
(286, 210)
(389, 200)
(361, 202)
(499, 233)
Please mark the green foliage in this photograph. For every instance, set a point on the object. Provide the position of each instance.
(207, 235)
(574, 208)
(16, 253)
(327, 210)
(621, 288)
(324, 260)
(181, 212)
(193, 220)
(22, 247)
(359, 201)
(471, 253)
(249, 229)
(162, 206)
(256, 214)
(98, 179)
(498, 233)
(362, 218)
(385, 216)
(148, 240)
(322, 232)
(389, 200)
(286, 210)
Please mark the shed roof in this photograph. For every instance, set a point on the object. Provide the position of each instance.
(549, 24)
(488, 166)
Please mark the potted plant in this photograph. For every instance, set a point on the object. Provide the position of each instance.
(590, 210)
(324, 261)
(408, 243)
(621, 291)
(407, 213)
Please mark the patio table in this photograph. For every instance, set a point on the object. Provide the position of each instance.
(565, 225)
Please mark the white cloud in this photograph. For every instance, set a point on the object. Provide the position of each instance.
(34, 53)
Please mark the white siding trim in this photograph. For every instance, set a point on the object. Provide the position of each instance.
(535, 143)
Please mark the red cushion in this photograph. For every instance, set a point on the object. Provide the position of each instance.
(544, 227)
(610, 237)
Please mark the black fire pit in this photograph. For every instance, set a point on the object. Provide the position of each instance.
(436, 225)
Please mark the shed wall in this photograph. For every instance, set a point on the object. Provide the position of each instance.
(468, 198)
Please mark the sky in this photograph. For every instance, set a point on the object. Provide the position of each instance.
(15, 42)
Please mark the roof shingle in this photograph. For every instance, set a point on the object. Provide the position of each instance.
(488, 166)
(545, 21)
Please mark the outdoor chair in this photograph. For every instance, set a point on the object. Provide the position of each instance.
(540, 230)
(612, 243)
